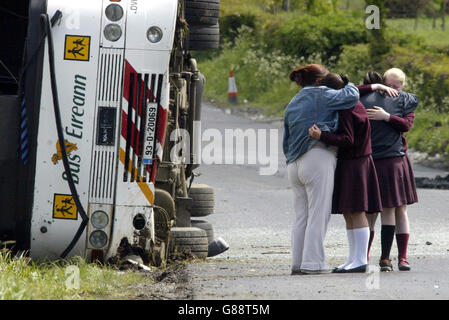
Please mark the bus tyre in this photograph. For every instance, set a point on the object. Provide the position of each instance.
(203, 200)
(202, 12)
(201, 192)
(206, 226)
(204, 37)
(187, 242)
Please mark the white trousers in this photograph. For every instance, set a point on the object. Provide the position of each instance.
(312, 180)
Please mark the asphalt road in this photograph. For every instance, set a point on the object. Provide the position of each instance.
(254, 215)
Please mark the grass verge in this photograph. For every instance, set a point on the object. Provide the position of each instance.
(24, 279)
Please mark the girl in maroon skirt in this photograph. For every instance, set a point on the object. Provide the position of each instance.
(390, 118)
(356, 188)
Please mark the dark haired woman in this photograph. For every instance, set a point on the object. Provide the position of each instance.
(394, 169)
(311, 164)
(356, 189)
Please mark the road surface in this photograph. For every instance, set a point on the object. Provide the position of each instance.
(254, 215)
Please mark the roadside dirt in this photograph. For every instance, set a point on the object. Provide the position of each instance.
(171, 283)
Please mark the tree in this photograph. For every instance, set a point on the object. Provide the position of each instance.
(420, 6)
(434, 7)
(378, 45)
(317, 7)
(286, 5)
(437, 8)
(443, 14)
(335, 5)
(309, 5)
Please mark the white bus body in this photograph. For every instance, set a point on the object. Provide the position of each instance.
(114, 100)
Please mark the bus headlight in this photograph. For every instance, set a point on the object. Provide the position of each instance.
(98, 239)
(112, 32)
(99, 219)
(114, 12)
(154, 34)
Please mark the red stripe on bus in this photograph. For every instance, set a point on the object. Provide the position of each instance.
(124, 124)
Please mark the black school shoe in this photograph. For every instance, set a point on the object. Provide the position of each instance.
(297, 273)
(360, 269)
(385, 265)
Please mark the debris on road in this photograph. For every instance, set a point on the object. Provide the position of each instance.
(437, 183)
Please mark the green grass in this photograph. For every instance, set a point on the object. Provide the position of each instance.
(431, 36)
(21, 278)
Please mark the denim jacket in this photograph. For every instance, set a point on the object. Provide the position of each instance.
(314, 105)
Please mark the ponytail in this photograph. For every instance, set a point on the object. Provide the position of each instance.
(345, 79)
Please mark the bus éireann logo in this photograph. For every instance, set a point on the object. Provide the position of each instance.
(69, 147)
(77, 48)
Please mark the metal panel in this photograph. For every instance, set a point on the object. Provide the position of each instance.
(104, 156)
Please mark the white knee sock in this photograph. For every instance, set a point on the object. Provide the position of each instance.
(351, 249)
(361, 239)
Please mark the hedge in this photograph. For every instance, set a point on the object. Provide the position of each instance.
(308, 35)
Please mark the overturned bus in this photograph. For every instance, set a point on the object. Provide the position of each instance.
(90, 94)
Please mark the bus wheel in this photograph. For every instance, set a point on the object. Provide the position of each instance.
(206, 226)
(188, 242)
(162, 236)
(202, 12)
(204, 37)
(203, 200)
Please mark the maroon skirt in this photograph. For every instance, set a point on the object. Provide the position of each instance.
(356, 188)
(396, 177)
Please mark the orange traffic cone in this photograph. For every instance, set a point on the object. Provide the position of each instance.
(232, 88)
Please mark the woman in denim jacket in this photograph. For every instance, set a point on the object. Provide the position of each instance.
(311, 164)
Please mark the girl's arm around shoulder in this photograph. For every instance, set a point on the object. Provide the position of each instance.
(368, 88)
(365, 89)
(345, 135)
(342, 99)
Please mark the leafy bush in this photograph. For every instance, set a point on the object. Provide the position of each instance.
(261, 74)
(307, 35)
(230, 24)
(354, 62)
(430, 133)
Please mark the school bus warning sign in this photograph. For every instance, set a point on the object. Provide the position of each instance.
(64, 207)
(77, 48)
